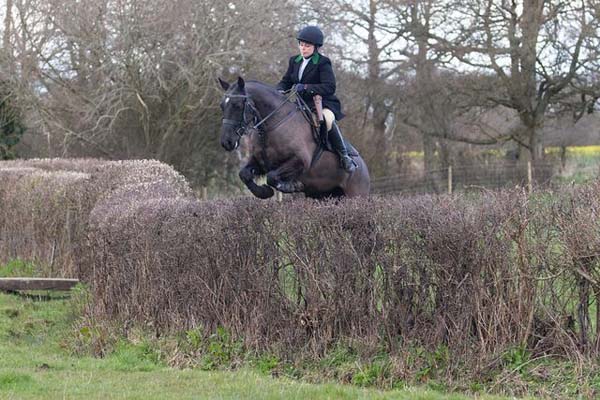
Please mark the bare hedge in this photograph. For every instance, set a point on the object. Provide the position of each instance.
(476, 274)
(40, 217)
(46, 204)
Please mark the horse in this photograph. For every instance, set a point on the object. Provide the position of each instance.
(282, 146)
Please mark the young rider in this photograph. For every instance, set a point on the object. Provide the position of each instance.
(310, 73)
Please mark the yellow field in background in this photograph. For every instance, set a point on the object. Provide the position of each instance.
(571, 150)
(576, 150)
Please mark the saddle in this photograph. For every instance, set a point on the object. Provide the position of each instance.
(320, 134)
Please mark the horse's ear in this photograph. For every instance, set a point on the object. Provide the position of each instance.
(224, 84)
(241, 83)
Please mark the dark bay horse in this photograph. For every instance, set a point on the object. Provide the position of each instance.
(282, 146)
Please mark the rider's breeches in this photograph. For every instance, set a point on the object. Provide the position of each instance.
(329, 118)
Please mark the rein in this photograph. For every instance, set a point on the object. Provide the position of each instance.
(242, 125)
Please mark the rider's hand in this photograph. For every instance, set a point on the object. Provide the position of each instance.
(300, 87)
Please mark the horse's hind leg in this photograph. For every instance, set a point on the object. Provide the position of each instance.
(285, 177)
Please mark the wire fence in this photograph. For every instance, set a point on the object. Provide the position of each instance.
(455, 178)
(468, 177)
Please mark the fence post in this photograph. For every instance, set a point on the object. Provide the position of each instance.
(450, 179)
(204, 193)
(529, 177)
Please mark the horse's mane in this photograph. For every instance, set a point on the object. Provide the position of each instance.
(262, 85)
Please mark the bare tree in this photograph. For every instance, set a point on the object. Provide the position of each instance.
(425, 105)
(136, 79)
(536, 48)
(388, 46)
(370, 47)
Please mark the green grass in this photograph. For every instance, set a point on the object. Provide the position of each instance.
(582, 164)
(17, 268)
(35, 363)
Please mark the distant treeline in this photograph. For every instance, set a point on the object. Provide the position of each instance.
(136, 80)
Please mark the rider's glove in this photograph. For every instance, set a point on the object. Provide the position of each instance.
(300, 87)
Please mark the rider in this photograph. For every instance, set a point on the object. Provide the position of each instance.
(310, 73)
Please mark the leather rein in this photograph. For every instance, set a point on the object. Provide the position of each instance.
(244, 125)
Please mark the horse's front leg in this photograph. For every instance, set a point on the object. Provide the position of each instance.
(285, 178)
(247, 175)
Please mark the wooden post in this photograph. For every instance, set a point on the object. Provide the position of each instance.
(204, 193)
(12, 284)
(529, 177)
(450, 179)
(279, 196)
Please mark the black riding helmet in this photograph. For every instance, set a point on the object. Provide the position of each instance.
(311, 34)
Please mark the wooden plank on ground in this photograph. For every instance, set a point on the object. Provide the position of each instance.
(12, 284)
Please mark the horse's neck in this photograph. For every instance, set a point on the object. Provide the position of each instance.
(284, 132)
(266, 102)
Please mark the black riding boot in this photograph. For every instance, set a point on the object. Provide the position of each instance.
(335, 138)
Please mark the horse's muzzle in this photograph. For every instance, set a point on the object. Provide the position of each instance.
(230, 144)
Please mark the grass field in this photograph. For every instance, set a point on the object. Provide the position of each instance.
(35, 363)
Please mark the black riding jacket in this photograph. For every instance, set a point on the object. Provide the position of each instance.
(319, 78)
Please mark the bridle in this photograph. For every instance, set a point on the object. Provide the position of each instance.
(242, 126)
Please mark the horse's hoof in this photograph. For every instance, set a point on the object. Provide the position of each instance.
(263, 192)
(289, 187)
(283, 187)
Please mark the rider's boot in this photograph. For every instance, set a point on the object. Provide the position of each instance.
(335, 138)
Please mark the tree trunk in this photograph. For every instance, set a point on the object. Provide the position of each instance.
(7, 28)
(429, 163)
(533, 139)
(563, 161)
(376, 96)
(379, 164)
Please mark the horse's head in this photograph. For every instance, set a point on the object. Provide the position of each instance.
(237, 114)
